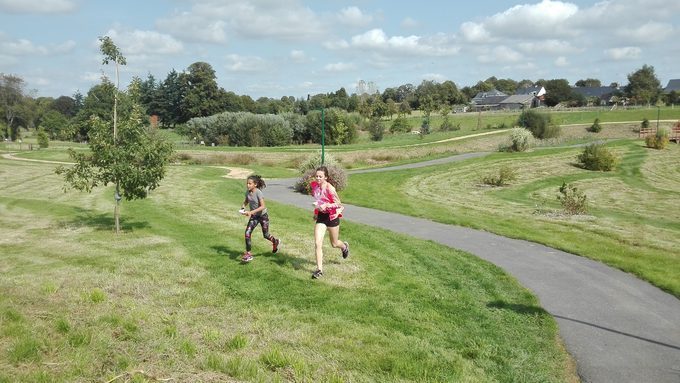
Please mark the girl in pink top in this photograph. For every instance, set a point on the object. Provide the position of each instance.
(327, 213)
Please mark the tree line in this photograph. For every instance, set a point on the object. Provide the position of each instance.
(195, 93)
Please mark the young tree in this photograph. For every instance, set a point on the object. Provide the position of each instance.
(643, 86)
(11, 96)
(133, 159)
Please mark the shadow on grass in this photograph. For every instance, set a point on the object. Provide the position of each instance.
(105, 221)
(227, 252)
(280, 258)
(518, 308)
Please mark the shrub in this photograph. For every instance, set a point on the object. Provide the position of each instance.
(520, 140)
(540, 125)
(595, 127)
(644, 124)
(447, 125)
(573, 201)
(336, 174)
(504, 176)
(43, 139)
(376, 129)
(425, 127)
(313, 161)
(400, 125)
(597, 157)
(659, 140)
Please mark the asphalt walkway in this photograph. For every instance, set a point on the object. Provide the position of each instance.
(616, 327)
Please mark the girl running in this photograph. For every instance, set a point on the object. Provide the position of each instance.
(327, 216)
(257, 215)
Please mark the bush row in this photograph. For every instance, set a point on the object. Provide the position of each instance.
(335, 126)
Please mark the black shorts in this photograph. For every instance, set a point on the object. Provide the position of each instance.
(326, 220)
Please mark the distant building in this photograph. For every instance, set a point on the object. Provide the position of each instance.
(519, 101)
(598, 95)
(673, 85)
(488, 100)
(537, 91)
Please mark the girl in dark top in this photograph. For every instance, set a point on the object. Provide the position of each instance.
(257, 215)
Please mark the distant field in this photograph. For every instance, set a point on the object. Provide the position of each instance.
(632, 223)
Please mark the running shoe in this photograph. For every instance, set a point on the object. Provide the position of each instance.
(247, 257)
(345, 251)
(317, 274)
(275, 245)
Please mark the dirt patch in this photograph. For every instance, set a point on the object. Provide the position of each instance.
(236, 173)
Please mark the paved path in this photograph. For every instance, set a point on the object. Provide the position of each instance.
(617, 327)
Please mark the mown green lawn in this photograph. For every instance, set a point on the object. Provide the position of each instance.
(169, 299)
(632, 223)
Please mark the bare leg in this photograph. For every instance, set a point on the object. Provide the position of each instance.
(319, 233)
(334, 233)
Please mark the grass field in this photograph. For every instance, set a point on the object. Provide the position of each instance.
(169, 299)
(633, 222)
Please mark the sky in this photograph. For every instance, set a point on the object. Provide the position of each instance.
(276, 48)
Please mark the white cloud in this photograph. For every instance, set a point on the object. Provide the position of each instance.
(194, 28)
(24, 47)
(501, 55)
(298, 56)
(238, 63)
(376, 39)
(409, 22)
(353, 16)
(37, 6)
(339, 67)
(434, 77)
(144, 42)
(337, 44)
(475, 33)
(91, 76)
(215, 21)
(7, 60)
(547, 18)
(623, 53)
(651, 31)
(561, 62)
(553, 47)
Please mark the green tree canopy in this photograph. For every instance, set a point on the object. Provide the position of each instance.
(643, 86)
(202, 95)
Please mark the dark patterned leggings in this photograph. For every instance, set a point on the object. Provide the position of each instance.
(263, 220)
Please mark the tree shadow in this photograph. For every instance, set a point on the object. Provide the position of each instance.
(518, 308)
(105, 221)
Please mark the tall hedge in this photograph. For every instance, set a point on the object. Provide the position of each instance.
(241, 129)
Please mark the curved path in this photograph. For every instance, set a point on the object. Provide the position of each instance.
(617, 327)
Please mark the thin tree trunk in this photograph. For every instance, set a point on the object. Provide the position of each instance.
(116, 210)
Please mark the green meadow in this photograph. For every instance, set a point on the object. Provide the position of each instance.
(168, 299)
